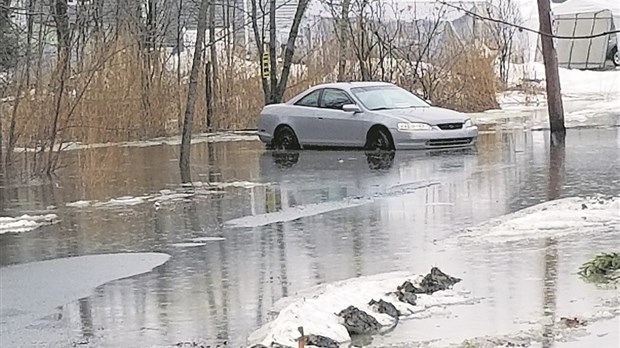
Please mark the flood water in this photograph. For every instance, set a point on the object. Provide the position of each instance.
(389, 213)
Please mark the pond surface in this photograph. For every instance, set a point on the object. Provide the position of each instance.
(318, 217)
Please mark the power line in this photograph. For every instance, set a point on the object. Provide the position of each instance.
(523, 28)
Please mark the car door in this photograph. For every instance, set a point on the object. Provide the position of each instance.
(303, 118)
(338, 127)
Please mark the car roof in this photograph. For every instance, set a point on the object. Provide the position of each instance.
(352, 84)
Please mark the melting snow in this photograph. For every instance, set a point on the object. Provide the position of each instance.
(295, 213)
(561, 217)
(315, 309)
(208, 239)
(25, 223)
(188, 245)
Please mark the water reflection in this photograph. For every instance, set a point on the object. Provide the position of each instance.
(224, 289)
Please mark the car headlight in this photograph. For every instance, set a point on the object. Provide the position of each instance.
(468, 123)
(408, 127)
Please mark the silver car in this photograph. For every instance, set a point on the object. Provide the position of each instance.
(372, 115)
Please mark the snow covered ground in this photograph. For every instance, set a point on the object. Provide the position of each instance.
(315, 309)
(591, 98)
(26, 223)
(557, 218)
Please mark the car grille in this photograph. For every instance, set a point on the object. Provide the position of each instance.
(450, 126)
(449, 142)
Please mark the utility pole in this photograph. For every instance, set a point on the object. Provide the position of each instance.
(552, 76)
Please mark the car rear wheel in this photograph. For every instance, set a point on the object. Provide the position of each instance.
(379, 139)
(615, 57)
(285, 139)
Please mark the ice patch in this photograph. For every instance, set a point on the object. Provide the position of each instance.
(34, 290)
(557, 218)
(165, 196)
(301, 211)
(26, 223)
(188, 245)
(315, 309)
(296, 212)
(208, 239)
(172, 141)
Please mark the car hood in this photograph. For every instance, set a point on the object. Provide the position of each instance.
(431, 115)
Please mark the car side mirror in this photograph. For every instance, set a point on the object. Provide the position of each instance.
(351, 108)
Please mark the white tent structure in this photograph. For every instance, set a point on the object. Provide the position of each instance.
(582, 18)
(573, 18)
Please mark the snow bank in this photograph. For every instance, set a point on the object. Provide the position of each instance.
(574, 83)
(26, 223)
(557, 218)
(315, 309)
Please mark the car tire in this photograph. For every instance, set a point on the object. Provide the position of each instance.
(380, 139)
(285, 139)
(615, 56)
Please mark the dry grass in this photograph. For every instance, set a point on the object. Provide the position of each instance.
(122, 94)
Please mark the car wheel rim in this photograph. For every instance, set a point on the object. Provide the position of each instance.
(617, 58)
(286, 140)
(380, 142)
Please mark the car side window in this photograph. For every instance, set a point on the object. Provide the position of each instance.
(334, 99)
(310, 100)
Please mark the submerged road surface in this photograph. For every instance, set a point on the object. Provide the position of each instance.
(257, 226)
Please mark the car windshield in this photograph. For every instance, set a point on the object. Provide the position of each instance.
(387, 97)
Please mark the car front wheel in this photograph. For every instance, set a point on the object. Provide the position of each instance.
(285, 139)
(379, 139)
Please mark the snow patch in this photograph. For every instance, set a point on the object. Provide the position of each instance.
(208, 239)
(26, 223)
(316, 308)
(574, 215)
(187, 245)
(297, 212)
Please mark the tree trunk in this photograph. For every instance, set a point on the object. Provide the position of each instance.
(342, 28)
(184, 161)
(273, 58)
(260, 45)
(552, 76)
(290, 51)
(209, 95)
(213, 51)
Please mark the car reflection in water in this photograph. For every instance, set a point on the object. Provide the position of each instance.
(377, 160)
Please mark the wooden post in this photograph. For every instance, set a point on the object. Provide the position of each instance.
(301, 341)
(552, 76)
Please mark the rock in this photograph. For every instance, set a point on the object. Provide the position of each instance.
(436, 281)
(273, 345)
(358, 322)
(407, 287)
(385, 308)
(572, 322)
(278, 345)
(583, 206)
(321, 341)
(407, 297)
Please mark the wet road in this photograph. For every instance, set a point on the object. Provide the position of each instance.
(322, 216)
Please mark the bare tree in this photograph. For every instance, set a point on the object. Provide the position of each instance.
(184, 162)
(503, 35)
(275, 86)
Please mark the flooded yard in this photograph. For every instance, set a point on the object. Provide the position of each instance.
(258, 226)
